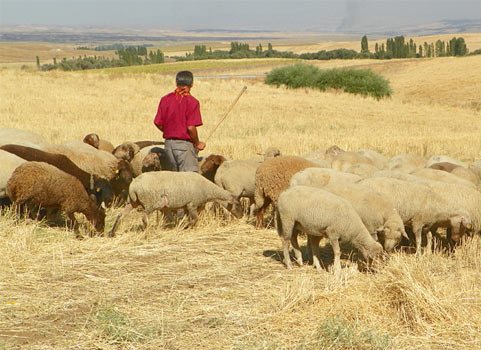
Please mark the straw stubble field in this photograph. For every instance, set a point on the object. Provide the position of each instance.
(222, 285)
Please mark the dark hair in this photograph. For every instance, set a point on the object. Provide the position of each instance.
(184, 78)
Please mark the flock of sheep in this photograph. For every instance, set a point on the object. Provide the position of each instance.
(362, 198)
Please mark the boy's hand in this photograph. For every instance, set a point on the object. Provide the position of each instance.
(200, 146)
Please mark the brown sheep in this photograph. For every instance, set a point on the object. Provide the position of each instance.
(272, 177)
(128, 150)
(444, 166)
(95, 141)
(43, 185)
(210, 165)
(93, 184)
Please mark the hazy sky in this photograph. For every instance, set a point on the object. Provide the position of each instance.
(297, 15)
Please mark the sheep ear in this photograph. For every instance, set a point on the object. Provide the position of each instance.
(116, 171)
(466, 222)
(91, 182)
(404, 234)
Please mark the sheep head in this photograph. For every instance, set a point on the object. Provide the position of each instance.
(92, 140)
(210, 165)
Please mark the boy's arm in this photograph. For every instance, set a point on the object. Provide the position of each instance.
(199, 145)
(158, 118)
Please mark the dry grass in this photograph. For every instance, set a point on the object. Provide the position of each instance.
(222, 285)
(26, 52)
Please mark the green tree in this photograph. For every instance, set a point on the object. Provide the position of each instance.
(364, 45)
(38, 62)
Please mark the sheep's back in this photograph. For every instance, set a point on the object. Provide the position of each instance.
(274, 174)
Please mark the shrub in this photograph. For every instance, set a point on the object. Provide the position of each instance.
(356, 81)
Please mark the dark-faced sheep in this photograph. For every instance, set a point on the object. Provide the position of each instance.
(43, 185)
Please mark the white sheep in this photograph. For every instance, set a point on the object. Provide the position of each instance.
(378, 160)
(443, 176)
(377, 212)
(21, 137)
(319, 177)
(363, 170)
(166, 190)
(443, 159)
(8, 163)
(345, 160)
(419, 205)
(239, 178)
(467, 174)
(320, 213)
(406, 163)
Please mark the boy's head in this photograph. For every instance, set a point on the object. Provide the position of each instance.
(184, 78)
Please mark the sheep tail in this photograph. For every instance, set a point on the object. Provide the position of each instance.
(280, 231)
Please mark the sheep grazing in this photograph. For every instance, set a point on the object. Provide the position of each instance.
(362, 170)
(150, 158)
(444, 166)
(93, 184)
(9, 162)
(166, 190)
(419, 206)
(239, 178)
(95, 141)
(43, 185)
(332, 152)
(346, 160)
(376, 211)
(100, 163)
(21, 137)
(270, 152)
(272, 177)
(439, 175)
(405, 163)
(443, 159)
(128, 150)
(320, 213)
(319, 177)
(467, 174)
(378, 160)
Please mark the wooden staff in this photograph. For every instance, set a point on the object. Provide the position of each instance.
(228, 111)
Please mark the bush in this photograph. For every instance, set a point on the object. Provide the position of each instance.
(356, 81)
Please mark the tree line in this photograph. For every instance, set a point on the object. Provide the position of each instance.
(237, 50)
(399, 47)
(127, 56)
(395, 47)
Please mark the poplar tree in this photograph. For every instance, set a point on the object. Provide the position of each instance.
(364, 45)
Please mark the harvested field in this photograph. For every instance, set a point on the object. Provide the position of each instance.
(222, 285)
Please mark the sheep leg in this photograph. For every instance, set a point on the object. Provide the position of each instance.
(429, 241)
(285, 230)
(296, 248)
(260, 214)
(145, 220)
(316, 253)
(128, 208)
(72, 224)
(337, 257)
(192, 210)
(418, 234)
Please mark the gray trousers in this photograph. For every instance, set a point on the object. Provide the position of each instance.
(181, 155)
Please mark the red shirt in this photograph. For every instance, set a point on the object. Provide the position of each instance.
(175, 113)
